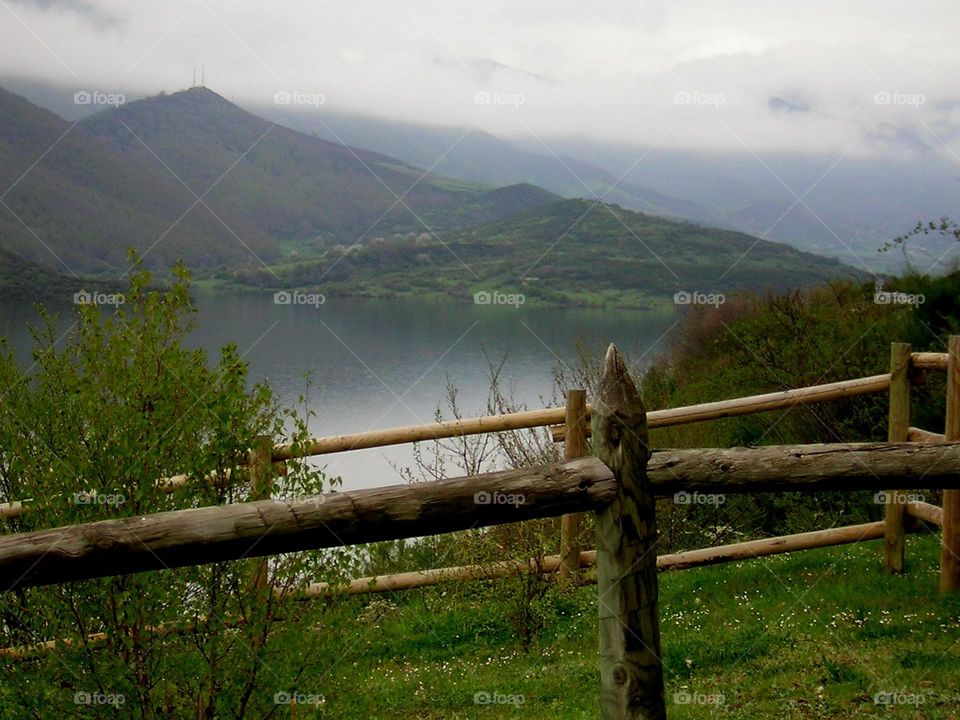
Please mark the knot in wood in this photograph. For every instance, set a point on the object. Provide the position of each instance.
(620, 674)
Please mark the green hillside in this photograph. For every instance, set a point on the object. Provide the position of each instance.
(567, 252)
(24, 280)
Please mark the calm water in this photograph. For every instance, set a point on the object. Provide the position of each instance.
(378, 364)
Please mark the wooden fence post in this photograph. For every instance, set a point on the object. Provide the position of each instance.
(261, 484)
(631, 670)
(898, 425)
(574, 446)
(950, 549)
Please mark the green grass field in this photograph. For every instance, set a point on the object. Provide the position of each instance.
(817, 634)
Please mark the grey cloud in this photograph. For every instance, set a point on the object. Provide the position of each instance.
(782, 105)
(80, 7)
(483, 70)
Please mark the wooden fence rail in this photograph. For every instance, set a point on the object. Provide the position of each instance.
(253, 529)
(735, 552)
(557, 416)
(246, 530)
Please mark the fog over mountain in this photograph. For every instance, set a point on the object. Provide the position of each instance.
(830, 127)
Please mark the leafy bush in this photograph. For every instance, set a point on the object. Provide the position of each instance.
(86, 433)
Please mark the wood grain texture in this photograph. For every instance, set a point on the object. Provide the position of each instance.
(929, 360)
(631, 669)
(830, 466)
(915, 434)
(898, 428)
(575, 447)
(246, 530)
(950, 544)
(926, 512)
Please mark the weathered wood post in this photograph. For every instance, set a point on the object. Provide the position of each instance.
(574, 446)
(631, 671)
(260, 463)
(950, 548)
(897, 428)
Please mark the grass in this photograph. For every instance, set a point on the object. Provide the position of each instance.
(818, 634)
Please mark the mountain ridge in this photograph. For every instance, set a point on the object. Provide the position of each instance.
(569, 252)
(192, 176)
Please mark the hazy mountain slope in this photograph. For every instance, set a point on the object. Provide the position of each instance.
(287, 184)
(571, 251)
(191, 176)
(73, 203)
(857, 205)
(475, 155)
(850, 205)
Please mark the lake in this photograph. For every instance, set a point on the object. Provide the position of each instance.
(383, 363)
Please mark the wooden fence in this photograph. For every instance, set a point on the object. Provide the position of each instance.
(619, 483)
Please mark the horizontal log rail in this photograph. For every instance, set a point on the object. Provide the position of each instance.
(752, 404)
(915, 434)
(789, 468)
(929, 360)
(418, 433)
(926, 512)
(554, 416)
(230, 532)
(588, 558)
(254, 529)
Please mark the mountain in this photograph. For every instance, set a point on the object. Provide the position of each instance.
(851, 204)
(288, 185)
(73, 203)
(476, 156)
(567, 252)
(191, 176)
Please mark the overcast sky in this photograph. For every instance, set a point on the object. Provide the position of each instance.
(858, 77)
